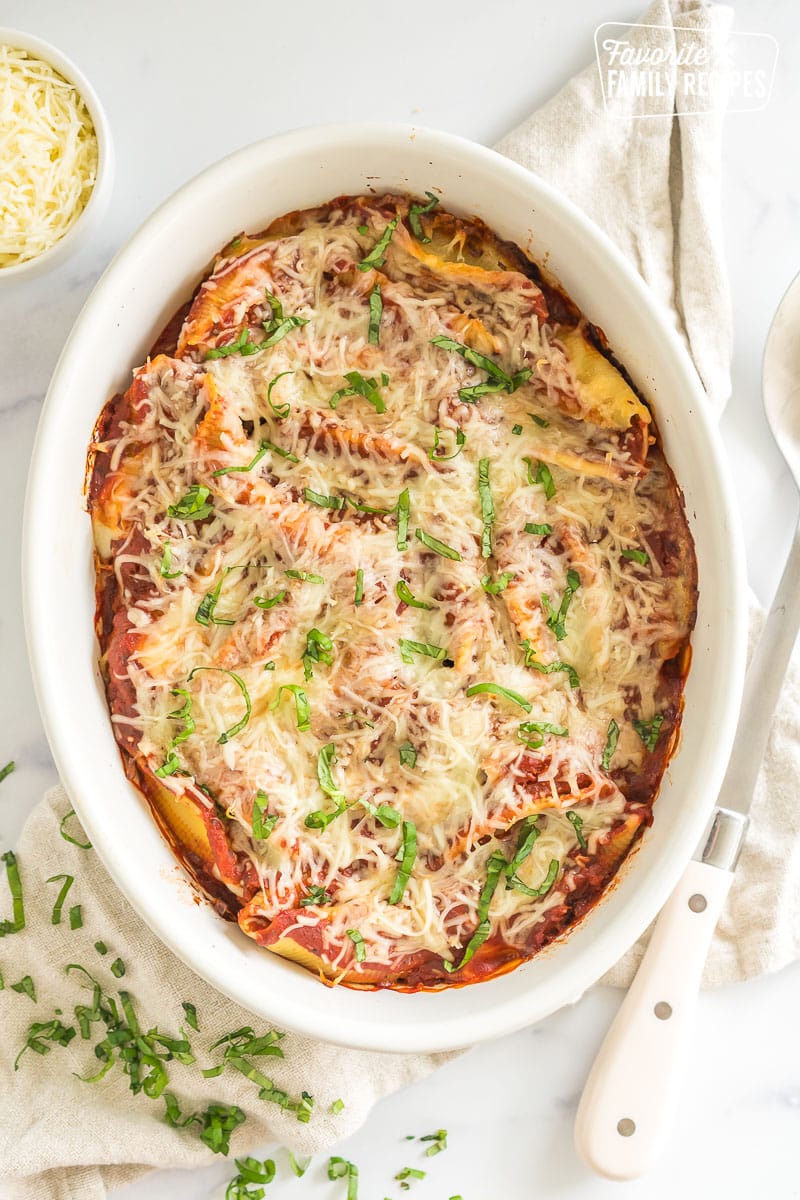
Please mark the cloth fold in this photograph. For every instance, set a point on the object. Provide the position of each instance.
(654, 186)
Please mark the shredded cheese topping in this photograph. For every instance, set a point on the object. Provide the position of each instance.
(48, 156)
(273, 493)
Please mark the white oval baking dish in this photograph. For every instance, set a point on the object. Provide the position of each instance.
(150, 277)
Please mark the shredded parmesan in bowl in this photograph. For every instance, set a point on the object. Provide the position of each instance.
(48, 156)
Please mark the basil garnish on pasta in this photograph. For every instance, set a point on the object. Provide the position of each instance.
(648, 731)
(407, 856)
(263, 821)
(376, 257)
(418, 210)
(495, 689)
(405, 594)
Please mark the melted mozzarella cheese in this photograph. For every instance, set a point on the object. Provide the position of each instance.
(281, 565)
(48, 161)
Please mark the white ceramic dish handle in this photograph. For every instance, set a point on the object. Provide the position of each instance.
(629, 1101)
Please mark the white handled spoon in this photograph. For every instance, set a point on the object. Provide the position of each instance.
(629, 1101)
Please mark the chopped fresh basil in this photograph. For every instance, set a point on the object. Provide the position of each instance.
(638, 556)
(359, 386)
(67, 837)
(279, 450)
(387, 816)
(541, 475)
(171, 763)
(494, 689)
(516, 430)
(191, 1015)
(322, 501)
(528, 834)
(494, 869)
(316, 896)
(405, 594)
(117, 968)
(319, 649)
(254, 461)
(244, 1042)
(577, 822)
(25, 987)
(487, 507)
(538, 530)
(376, 256)
(241, 345)
(42, 1032)
(543, 888)
(648, 731)
(359, 592)
(194, 506)
(549, 668)
(375, 314)
(206, 608)
(438, 1140)
(407, 856)
(279, 324)
(539, 727)
(164, 570)
(269, 601)
(304, 576)
(276, 306)
(358, 942)
(62, 895)
(101, 947)
(497, 585)
(301, 706)
(216, 1123)
(502, 380)
(439, 547)
(227, 734)
(414, 214)
(279, 331)
(299, 1165)
(263, 822)
(406, 1174)
(340, 1168)
(461, 439)
(403, 514)
(281, 411)
(612, 737)
(556, 618)
(326, 757)
(409, 648)
(251, 1174)
(408, 755)
(367, 508)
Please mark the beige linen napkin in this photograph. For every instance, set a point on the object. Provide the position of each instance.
(654, 186)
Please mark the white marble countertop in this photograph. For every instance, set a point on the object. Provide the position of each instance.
(509, 1106)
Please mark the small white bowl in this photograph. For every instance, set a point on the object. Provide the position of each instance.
(97, 203)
